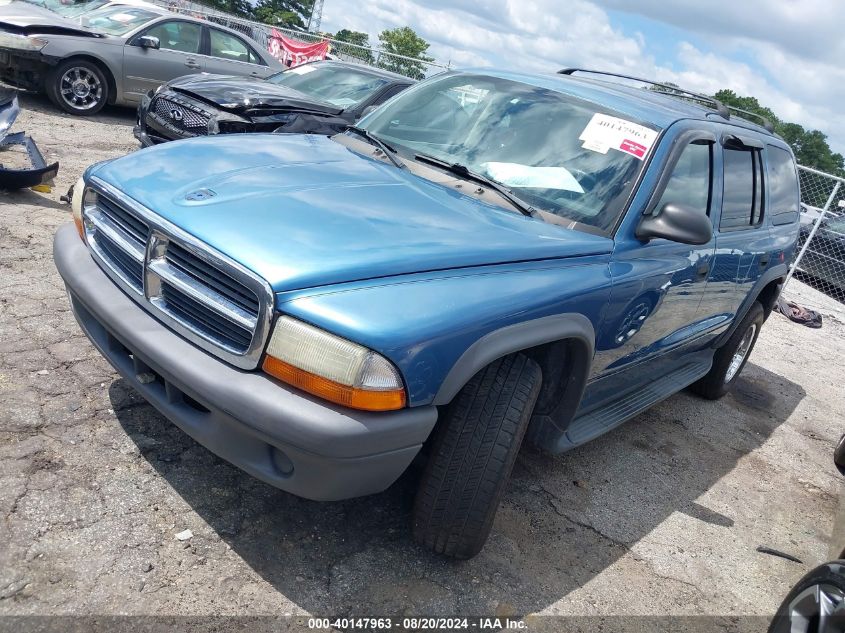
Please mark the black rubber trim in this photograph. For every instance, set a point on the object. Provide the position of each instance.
(515, 338)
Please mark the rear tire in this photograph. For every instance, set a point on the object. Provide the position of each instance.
(730, 359)
(475, 446)
(78, 87)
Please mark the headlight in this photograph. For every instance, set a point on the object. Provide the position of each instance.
(333, 368)
(82, 198)
(22, 42)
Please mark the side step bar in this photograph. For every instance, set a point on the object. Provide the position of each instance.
(590, 425)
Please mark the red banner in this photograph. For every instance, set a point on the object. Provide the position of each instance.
(293, 52)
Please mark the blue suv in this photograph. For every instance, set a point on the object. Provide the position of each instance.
(487, 259)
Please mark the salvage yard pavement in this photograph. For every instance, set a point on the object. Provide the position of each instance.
(109, 509)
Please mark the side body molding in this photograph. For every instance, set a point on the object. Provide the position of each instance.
(516, 337)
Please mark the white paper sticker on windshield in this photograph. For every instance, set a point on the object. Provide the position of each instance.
(516, 175)
(605, 132)
(302, 70)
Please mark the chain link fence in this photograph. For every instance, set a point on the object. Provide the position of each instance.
(409, 66)
(817, 277)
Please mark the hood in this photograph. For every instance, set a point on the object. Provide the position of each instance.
(40, 22)
(244, 95)
(304, 211)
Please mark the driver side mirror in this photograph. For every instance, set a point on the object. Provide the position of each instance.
(149, 41)
(677, 223)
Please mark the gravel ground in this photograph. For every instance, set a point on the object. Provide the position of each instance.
(660, 516)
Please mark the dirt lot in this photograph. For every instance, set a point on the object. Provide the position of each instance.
(661, 516)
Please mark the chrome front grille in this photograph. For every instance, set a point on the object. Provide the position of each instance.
(119, 239)
(200, 293)
(181, 114)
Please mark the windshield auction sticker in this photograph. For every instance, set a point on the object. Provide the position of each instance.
(605, 132)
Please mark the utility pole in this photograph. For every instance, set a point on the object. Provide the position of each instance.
(316, 17)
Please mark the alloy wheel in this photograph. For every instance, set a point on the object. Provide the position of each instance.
(80, 88)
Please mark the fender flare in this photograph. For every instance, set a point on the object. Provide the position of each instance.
(514, 338)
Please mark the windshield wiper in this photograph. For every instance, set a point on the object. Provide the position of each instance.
(467, 174)
(375, 140)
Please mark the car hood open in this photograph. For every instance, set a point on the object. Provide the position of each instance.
(243, 95)
(305, 211)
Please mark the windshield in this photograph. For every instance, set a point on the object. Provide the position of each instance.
(562, 155)
(338, 85)
(117, 20)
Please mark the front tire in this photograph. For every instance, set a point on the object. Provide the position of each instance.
(78, 87)
(732, 356)
(475, 446)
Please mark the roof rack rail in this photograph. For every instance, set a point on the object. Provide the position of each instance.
(745, 114)
(721, 109)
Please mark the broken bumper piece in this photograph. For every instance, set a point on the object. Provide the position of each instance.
(38, 172)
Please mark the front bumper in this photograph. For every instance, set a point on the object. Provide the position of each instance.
(24, 69)
(286, 438)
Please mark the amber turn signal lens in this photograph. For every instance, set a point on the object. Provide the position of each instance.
(351, 397)
(79, 228)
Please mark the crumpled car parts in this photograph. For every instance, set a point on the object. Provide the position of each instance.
(38, 172)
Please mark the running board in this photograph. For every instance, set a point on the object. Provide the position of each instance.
(599, 421)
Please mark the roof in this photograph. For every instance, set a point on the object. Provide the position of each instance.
(649, 106)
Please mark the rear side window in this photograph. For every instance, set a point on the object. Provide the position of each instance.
(742, 198)
(783, 186)
(689, 184)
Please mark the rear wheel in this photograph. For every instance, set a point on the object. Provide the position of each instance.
(78, 86)
(473, 453)
(732, 356)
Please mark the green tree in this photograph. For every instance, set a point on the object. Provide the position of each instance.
(359, 39)
(292, 14)
(241, 8)
(810, 146)
(404, 41)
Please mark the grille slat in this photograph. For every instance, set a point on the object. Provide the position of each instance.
(192, 265)
(132, 269)
(131, 225)
(205, 320)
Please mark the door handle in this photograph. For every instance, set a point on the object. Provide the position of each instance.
(191, 63)
(703, 270)
(764, 261)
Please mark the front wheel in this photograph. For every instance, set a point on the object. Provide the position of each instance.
(475, 446)
(732, 356)
(78, 87)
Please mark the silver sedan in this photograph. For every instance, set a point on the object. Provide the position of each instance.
(118, 53)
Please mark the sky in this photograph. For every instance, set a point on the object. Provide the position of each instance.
(787, 53)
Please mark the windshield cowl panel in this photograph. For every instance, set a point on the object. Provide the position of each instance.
(563, 156)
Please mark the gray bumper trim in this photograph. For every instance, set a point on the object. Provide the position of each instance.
(335, 453)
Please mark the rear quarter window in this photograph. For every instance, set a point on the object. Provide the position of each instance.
(742, 198)
(784, 196)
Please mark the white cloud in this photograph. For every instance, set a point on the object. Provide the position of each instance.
(787, 54)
